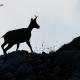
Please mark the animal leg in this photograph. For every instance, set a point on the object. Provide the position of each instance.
(17, 46)
(2, 46)
(8, 47)
(29, 45)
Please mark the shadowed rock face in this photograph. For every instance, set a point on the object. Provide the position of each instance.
(21, 65)
(67, 65)
(59, 65)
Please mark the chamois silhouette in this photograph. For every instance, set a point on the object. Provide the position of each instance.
(18, 36)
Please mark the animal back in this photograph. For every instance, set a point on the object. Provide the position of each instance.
(17, 36)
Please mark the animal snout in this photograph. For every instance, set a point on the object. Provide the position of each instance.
(38, 27)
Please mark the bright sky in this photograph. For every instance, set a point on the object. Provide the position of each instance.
(59, 21)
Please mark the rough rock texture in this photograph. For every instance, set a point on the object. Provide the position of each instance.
(21, 65)
(67, 66)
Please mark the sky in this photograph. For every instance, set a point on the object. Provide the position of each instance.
(59, 21)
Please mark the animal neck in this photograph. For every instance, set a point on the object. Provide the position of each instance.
(30, 28)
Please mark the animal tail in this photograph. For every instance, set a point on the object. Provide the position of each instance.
(2, 37)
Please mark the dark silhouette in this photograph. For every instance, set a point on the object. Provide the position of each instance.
(21, 65)
(18, 36)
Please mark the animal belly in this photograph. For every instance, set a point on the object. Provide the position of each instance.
(17, 39)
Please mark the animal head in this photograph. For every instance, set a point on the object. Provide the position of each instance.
(33, 23)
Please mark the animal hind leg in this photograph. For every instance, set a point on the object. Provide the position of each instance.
(2, 46)
(29, 46)
(8, 47)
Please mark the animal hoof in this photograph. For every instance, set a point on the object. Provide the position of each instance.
(5, 53)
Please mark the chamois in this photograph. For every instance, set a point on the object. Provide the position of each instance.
(18, 36)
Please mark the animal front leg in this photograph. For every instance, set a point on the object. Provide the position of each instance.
(17, 46)
(29, 46)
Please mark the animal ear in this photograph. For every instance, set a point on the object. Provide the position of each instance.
(31, 19)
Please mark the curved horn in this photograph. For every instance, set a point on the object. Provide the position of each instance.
(35, 17)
